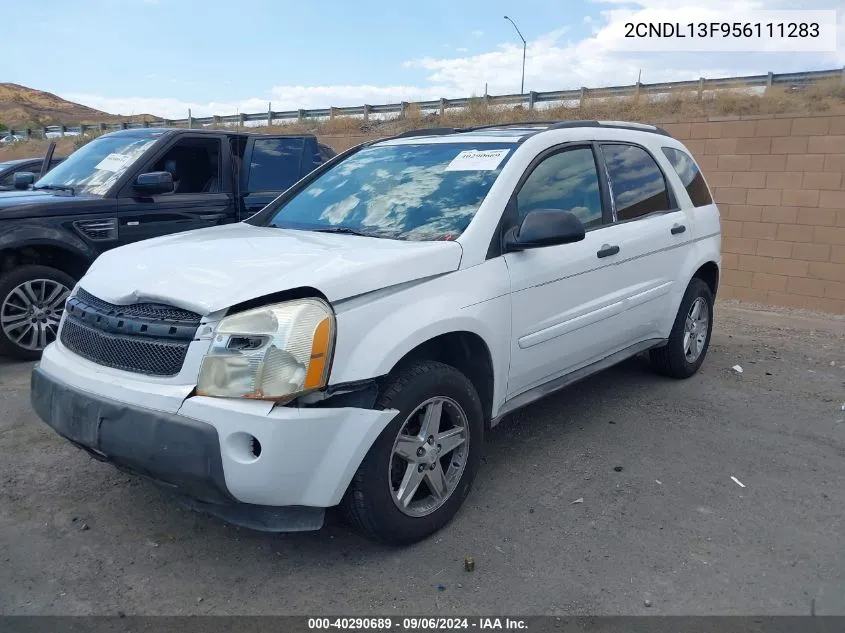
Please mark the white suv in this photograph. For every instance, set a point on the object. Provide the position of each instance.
(351, 342)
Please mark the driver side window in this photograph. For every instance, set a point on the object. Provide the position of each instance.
(566, 181)
(194, 164)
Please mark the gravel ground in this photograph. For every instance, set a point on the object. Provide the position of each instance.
(653, 459)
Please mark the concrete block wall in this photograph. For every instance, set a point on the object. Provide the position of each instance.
(780, 184)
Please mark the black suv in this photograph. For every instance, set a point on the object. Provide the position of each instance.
(124, 187)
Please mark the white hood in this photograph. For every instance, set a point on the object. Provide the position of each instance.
(211, 269)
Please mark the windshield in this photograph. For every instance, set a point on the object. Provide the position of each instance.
(411, 192)
(95, 167)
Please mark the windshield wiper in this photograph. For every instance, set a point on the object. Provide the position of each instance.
(342, 230)
(57, 188)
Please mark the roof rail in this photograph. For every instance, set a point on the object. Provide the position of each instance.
(492, 126)
(617, 125)
(556, 125)
(429, 131)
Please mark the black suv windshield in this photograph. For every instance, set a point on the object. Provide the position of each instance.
(412, 192)
(96, 166)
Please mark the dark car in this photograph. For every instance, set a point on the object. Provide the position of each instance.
(124, 187)
(9, 168)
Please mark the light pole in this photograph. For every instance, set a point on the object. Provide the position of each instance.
(524, 45)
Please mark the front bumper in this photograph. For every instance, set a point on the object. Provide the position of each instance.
(306, 461)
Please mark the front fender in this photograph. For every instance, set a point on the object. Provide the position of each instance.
(35, 233)
(375, 333)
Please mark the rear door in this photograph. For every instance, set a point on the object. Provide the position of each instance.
(202, 196)
(649, 230)
(272, 164)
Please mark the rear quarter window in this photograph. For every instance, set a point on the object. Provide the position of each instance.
(690, 176)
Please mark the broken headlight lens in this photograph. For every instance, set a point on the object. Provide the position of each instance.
(272, 353)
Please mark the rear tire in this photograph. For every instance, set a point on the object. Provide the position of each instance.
(688, 344)
(374, 501)
(32, 300)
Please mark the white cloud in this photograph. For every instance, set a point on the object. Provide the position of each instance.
(553, 62)
(477, 33)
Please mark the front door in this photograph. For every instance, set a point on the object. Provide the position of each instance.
(562, 296)
(201, 197)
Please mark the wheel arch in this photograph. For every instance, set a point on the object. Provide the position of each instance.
(464, 350)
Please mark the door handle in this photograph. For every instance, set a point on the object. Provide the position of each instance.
(677, 229)
(212, 216)
(607, 250)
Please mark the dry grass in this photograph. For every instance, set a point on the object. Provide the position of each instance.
(668, 107)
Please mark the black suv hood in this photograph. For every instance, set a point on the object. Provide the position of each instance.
(28, 204)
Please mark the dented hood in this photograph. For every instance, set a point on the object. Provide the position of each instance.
(212, 269)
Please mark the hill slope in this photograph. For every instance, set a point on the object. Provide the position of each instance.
(21, 106)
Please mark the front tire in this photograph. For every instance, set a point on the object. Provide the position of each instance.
(32, 300)
(420, 469)
(689, 340)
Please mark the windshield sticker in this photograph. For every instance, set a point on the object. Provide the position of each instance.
(113, 162)
(477, 160)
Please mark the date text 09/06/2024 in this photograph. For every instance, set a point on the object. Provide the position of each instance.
(723, 29)
(417, 624)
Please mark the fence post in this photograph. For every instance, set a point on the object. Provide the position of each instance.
(44, 132)
(582, 96)
(367, 109)
(404, 109)
(269, 113)
(190, 120)
(28, 133)
(637, 90)
(442, 106)
(215, 121)
(241, 119)
(300, 115)
(101, 128)
(700, 88)
(123, 125)
(769, 79)
(532, 99)
(331, 113)
(64, 130)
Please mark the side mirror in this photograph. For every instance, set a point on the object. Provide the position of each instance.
(24, 179)
(154, 182)
(544, 227)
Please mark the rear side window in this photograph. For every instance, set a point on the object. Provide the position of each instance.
(636, 181)
(690, 175)
(274, 165)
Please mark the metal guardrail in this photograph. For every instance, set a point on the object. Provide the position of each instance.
(529, 100)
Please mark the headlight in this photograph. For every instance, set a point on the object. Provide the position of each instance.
(272, 353)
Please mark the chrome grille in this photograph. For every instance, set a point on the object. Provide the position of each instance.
(144, 338)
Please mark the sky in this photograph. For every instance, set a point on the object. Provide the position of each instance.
(164, 56)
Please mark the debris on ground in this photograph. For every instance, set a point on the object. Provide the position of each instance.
(578, 500)
(647, 603)
(84, 527)
(199, 599)
(737, 369)
(737, 482)
(499, 549)
(469, 563)
(441, 588)
(618, 469)
(658, 482)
